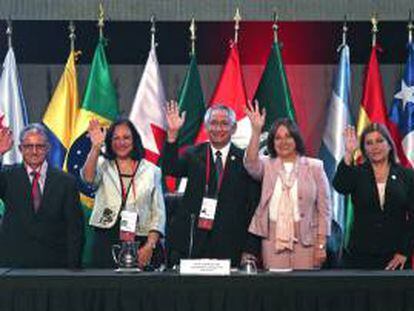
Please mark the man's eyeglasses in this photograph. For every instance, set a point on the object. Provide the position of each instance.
(41, 147)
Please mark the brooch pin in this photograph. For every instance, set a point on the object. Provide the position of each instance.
(233, 158)
(393, 177)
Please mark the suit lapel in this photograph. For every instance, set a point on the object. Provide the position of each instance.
(113, 175)
(234, 158)
(24, 181)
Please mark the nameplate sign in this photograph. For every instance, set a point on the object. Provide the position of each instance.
(205, 266)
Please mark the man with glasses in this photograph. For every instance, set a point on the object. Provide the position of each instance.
(220, 197)
(42, 224)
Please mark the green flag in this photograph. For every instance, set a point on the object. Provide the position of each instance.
(191, 100)
(273, 92)
(99, 102)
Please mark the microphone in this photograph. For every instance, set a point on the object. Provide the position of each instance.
(191, 244)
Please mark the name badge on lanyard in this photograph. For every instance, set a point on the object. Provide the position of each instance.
(129, 219)
(207, 213)
(128, 225)
(209, 204)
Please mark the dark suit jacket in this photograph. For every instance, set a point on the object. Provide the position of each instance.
(52, 236)
(376, 231)
(237, 199)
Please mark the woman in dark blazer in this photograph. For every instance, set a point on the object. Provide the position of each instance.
(382, 194)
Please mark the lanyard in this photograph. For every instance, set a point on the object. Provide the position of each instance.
(125, 192)
(208, 164)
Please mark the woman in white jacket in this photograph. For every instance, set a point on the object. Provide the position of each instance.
(126, 184)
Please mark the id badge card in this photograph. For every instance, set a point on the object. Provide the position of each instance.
(207, 213)
(128, 225)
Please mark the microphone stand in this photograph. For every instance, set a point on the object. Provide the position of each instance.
(191, 243)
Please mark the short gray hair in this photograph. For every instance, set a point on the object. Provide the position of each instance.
(230, 113)
(35, 128)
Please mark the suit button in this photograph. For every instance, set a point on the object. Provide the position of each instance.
(302, 215)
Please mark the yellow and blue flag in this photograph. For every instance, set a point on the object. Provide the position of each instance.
(61, 114)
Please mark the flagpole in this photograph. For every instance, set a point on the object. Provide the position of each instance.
(275, 27)
(374, 29)
(193, 37)
(101, 20)
(72, 35)
(237, 18)
(9, 32)
(153, 31)
(344, 33)
(410, 27)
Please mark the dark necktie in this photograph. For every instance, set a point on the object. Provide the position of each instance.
(36, 191)
(219, 168)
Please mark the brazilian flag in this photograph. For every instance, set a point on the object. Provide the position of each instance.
(99, 102)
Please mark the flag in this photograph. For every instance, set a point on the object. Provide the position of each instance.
(61, 114)
(13, 112)
(191, 100)
(401, 113)
(148, 108)
(333, 145)
(372, 109)
(99, 102)
(273, 92)
(230, 91)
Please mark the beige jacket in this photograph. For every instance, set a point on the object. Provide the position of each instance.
(148, 200)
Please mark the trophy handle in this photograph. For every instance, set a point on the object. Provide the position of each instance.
(115, 252)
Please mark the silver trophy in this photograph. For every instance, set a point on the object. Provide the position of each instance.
(125, 256)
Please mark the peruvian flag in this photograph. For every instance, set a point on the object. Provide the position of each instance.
(148, 109)
(230, 91)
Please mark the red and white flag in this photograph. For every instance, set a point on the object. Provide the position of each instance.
(148, 109)
(231, 92)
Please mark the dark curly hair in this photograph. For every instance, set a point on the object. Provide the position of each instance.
(137, 152)
(293, 131)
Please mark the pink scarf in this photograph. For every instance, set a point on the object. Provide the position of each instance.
(285, 227)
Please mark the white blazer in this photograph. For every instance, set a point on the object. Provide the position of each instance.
(148, 201)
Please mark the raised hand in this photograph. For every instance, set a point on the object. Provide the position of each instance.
(97, 133)
(351, 143)
(6, 140)
(174, 120)
(256, 118)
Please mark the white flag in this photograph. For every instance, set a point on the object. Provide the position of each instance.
(148, 109)
(13, 111)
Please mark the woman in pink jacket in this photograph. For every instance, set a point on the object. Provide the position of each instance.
(294, 214)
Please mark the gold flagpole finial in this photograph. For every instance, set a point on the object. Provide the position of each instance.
(374, 29)
(101, 20)
(275, 27)
(410, 27)
(72, 35)
(237, 18)
(153, 31)
(9, 32)
(193, 37)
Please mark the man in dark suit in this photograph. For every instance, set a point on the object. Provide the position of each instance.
(42, 224)
(220, 197)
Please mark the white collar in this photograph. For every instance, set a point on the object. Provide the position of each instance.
(224, 152)
(41, 170)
